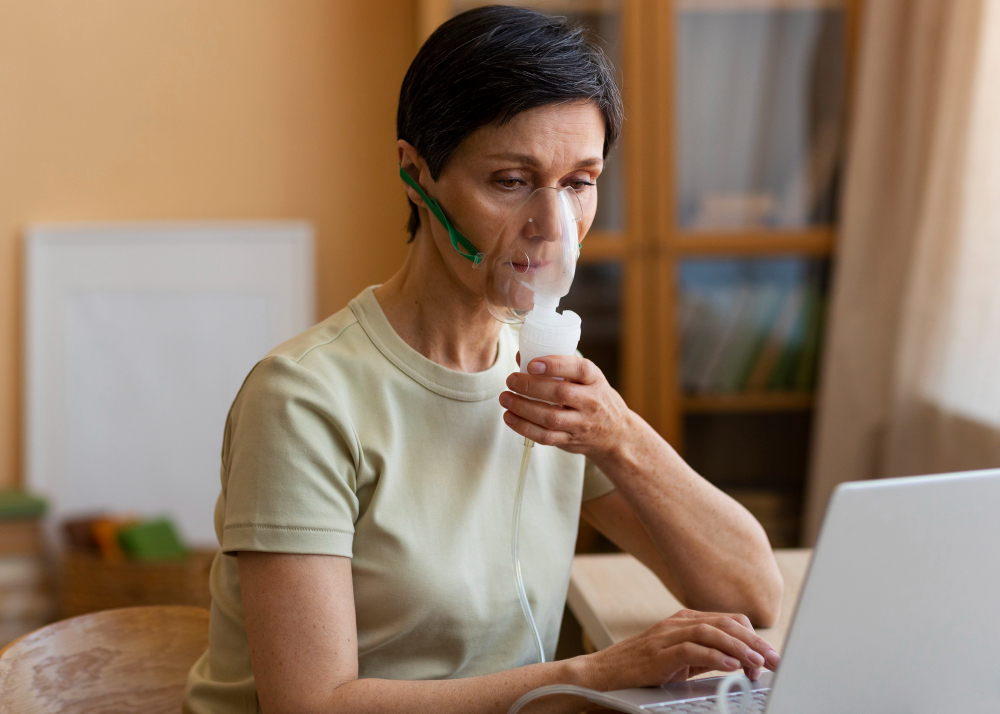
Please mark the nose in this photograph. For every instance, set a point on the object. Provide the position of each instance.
(543, 219)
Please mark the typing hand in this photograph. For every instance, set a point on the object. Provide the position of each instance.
(682, 646)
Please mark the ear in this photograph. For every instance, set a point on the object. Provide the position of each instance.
(412, 164)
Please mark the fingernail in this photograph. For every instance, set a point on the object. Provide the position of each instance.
(754, 674)
(536, 367)
(755, 658)
(731, 663)
(772, 658)
(505, 399)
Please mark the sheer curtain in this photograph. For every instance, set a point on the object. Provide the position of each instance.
(911, 376)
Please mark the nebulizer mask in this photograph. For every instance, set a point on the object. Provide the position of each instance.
(526, 271)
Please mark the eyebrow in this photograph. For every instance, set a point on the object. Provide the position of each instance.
(529, 160)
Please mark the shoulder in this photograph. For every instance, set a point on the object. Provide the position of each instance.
(307, 373)
(332, 334)
(288, 398)
(301, 364)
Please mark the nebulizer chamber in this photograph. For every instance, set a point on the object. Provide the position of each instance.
(529, 268)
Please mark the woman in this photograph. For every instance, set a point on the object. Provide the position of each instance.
(368, 471)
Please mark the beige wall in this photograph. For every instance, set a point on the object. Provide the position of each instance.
(200, 109)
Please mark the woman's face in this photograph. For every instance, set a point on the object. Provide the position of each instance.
(497, 168)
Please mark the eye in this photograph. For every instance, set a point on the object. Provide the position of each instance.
(511, 183)
(580, 184)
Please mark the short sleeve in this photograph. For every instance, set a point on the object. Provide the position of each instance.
(289, 465)
(595, 483)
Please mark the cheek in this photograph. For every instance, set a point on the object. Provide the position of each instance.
(486, 218)
(472, 212)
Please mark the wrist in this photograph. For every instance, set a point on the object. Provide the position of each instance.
(576, 671)
(624, 456)
(585, 671)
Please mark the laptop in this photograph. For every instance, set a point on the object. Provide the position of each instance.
(899, 614)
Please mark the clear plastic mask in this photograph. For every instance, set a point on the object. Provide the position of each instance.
(535, 252)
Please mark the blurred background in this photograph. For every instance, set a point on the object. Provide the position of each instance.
(792, 274)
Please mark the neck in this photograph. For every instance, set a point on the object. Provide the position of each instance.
(435, 313)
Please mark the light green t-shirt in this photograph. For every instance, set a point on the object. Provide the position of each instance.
(346, 441)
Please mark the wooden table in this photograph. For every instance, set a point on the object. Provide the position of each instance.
(615, 596)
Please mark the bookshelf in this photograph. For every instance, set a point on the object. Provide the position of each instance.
(731, 155)
(748, 402)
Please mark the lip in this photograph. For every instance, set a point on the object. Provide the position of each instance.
(524, 268)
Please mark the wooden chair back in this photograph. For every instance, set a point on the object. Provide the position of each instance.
(135, 659)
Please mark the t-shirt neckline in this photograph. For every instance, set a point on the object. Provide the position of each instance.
(464, 386)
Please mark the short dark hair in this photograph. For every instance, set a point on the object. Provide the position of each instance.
(485, 66)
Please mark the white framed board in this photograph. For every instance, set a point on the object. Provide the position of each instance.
(138, 337)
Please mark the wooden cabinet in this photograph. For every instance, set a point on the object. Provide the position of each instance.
(703, 284)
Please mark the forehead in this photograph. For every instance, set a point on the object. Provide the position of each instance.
(553, 134)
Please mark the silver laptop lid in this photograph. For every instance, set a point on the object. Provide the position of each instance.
(900, 612)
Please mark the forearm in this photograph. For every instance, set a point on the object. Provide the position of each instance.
(716, 550)
(486, 694)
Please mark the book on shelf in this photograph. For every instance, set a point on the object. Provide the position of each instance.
(26, 599)
(777, 341)
(763, 305)
(20, 537)
(750, 325)
(806, 370)
(710, 371)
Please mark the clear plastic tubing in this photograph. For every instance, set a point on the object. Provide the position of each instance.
(722, 701)
(515, 556)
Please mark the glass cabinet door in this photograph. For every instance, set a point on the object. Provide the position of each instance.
(759, 112)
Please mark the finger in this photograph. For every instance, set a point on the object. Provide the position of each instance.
(571, 367)
(712, 636)
(545, 415)
(687, 614)
(685, 674)
(537, 434)
(729, 624)
(753, 674)
(696, 656)
(740, 618)
(556, 391)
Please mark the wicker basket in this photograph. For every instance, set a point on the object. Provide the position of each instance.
(89, 583)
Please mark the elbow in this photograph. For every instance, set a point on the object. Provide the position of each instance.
(757, 598)
(764, 613)
(764, 596)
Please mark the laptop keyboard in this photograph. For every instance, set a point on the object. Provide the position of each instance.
(710, 705)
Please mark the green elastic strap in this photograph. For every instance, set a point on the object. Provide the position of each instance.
(457, 238)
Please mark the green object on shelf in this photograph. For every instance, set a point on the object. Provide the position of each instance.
(783, 374)
(805, 371)
(152, 540)
(20, 505)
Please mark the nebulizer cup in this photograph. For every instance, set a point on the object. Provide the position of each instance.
(529, 268)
